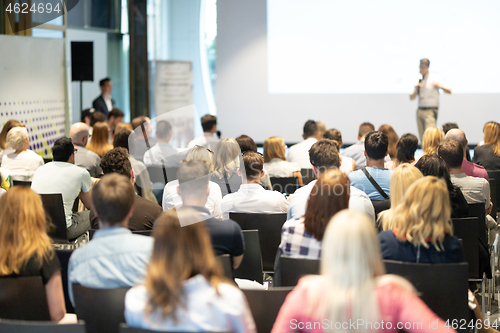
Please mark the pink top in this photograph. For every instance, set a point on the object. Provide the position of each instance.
(474, 170)
(397, 306)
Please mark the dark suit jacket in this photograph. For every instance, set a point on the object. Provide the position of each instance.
(100, 105)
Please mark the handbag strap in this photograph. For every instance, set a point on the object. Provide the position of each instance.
(227, 183)
(374, 183)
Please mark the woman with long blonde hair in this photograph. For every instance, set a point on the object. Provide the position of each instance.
(227, 160)
(25, 247)
(432, 138)
(488, 155)
(184, 288)
(275, 162)
(352, 287)
(99, 142)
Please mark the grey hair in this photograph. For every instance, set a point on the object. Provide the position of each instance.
(16, 136)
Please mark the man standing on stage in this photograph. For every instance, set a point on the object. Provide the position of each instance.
(427, 91)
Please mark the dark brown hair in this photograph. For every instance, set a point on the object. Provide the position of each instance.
(333, 134)
(246, 143)
(207, 122)
(451, 152)
(324, 155)
(113, 197)
(365, 128)
(254, 163)
(117, 160)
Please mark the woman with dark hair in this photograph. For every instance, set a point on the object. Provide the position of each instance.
(433, 165)
(406, 148)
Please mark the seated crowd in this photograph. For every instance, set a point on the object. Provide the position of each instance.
(106, 175)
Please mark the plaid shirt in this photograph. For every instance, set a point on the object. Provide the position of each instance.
(296, 242)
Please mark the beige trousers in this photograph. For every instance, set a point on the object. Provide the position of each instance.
(426, 118)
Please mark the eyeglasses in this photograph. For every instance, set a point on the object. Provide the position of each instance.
(198, 146)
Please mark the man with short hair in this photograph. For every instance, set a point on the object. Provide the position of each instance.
(251, 197)
(299, 153)
(104, 103)
(84, 158)
(114, 257)
(194, 189)
(115, 117)
(323, 156)
(357, 150)
(63, 176)
(449, 126)
(348, 164)
(207, 140)
(376, 145)
(469, 168)
(162, 153)
(143, 130)
(145, 212)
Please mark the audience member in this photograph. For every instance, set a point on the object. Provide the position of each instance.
(23, 162)
(469, 168)
(4, 148)
(323, 156)
(449, 126)
(403, 176)
(99, 142)
(376, 144)
(145, 212)
(84, 158)
(194, 188)
(207, 140)
(97, 117)
(421, 226)
(162, 153)
(391, 159)
(63, 176)
(488, 155)
(433, 165)
(25, 247)
(251, 197)
(321, 128)
(143, 132)
(348, 164)
(226, 163)
(275, 162)
(298, 153)
(432, 138)
(171, 197)
(185, 289)
(86, 116)
(406, 148)
(120, 126)
(114, 257)
(301, 237)
(246, 143)
(352, 286)
(356, 151)
(115, 117)
(104, 103)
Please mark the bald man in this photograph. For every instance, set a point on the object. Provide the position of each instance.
(469, 168)
(79, 134)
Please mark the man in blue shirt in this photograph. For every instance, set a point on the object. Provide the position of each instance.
(114, 257)
(376, 144)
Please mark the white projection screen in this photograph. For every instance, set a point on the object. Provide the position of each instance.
(282, 62)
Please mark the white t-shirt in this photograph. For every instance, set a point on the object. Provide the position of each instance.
(64, 178)
(299, 153)
(279, 168)
(429, 95)
(22, 166)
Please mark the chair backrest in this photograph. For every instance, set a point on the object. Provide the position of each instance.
(292, 269)
(495, 174)
(157, 174)
(23, 298)
(285, 184)
(143, 232)
(269, 226)
(380, 206)
(265, 306)
(443, 287)
(127, 329)
(54, 212)
(307, 175)
(63, 256)
(478, 210)
(251, 266)
(101, 309)
(23, 326)
(467, 231)
(21, 183)
(225, 261)
(493, 196)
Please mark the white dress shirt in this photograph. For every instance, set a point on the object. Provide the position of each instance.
(299, 153)
(171, 199)
(279, 168)
(253, 198)
(108, 101)
(429, 95)
(22, 166)
(162, 151)
(358, 201)
(207, 141)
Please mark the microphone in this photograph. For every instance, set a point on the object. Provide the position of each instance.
(218, 133)
(418, 88)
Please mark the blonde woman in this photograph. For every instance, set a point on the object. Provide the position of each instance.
(275, 162)
(171, 199)
(402, 177)
(432, 138)
(227, 160)
(488, 155)
(25, 247)
(422, 230)
(99, 142)
(184, 289)
(352, 287)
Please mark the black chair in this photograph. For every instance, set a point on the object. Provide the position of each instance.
(251, 266)
(495, 174)
(478, 210)
(443, 287)
(127, 329)
(158, 174)
(493, 195)
(285, 184)
(63, 256)
(269, 226)
(54, 212)
(466, 229)
(21, 183)
(307, 176)
(21, 326)
(292, 269)
(23, 298)
(225, 261)
(101, 309)
(265, 306)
